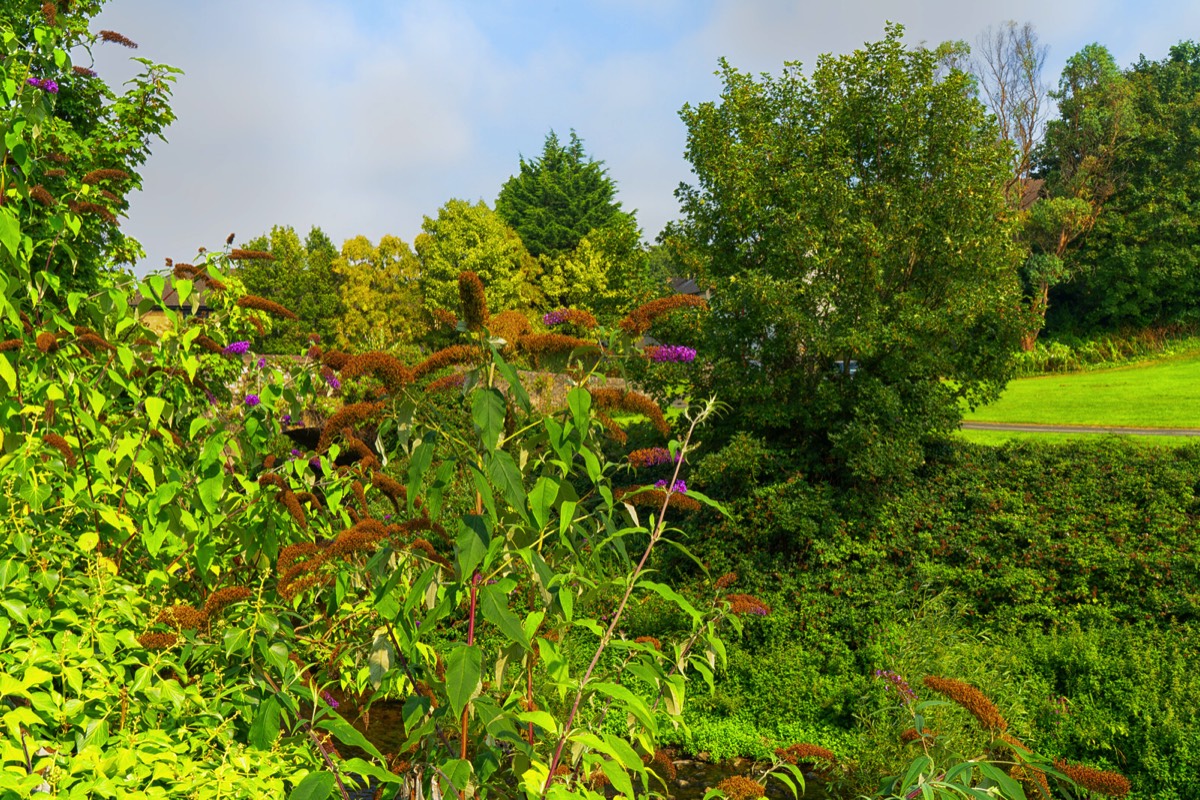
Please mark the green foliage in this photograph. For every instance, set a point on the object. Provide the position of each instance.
(473, 238)
(1066, 353)
(1139, 263)
(1035, 572)
(560, 198)
(380, 294)
(301, 278)
(59, 141)
(854, 216)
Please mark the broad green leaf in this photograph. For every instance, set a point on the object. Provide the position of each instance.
(495, 610)
(264, 730)
(667, 593)
(459, 771)
(154, 409)
(211, 490)
(88, 541)
(472, 544)
(464, 676)
(356, 766)
(348, 734)
(422, 457)
(315, 786)
(634, 704)
(515, 388)
(8, 373)
(487, 410)
(619, 777)
(10, 230)
(580, 403)
(506, 475)
(541, 500)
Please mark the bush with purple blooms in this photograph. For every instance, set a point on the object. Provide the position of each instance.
(237, 348)
(676, 353)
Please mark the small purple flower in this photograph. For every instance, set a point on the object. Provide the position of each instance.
(315, 462)
(236, 348)
(672, 352)
(555, 317)
(897, 683)
(295, 453)
(45, 84)
(262, 362)
(286, 419)
(387, 516)
(252, 400)
(333, 382)
(678, 486)
(328, 698)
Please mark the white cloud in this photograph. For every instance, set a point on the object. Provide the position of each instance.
(363, 117)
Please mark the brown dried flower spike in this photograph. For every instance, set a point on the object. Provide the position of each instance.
(1096, 780)
(474, 303)
(263, 304)
(116, 38)
(970, 698)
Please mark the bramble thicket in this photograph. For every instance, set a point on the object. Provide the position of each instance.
(448, 525)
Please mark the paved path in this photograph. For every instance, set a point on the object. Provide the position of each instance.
(1032, 428)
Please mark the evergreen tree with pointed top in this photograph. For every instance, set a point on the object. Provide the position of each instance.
(559, 198)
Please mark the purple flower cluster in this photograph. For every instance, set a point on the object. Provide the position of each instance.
(673, 352)
(45, 84)
(236, 348)
(252, 400)
(328, 698)
(286, 419)
(555, 317)
(897, 682)
(333, 382)
(262, 362)
(677, 486)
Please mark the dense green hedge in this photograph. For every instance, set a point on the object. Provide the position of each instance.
(1062, 578)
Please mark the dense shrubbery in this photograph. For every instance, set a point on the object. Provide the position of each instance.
(1061, 578)
(1063, 353)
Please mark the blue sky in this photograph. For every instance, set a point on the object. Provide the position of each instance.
(363, 117)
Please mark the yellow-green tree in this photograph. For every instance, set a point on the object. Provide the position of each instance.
(380, 293)
(465, 237)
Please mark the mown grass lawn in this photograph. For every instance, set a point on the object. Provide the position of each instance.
(1160, 394)
(1000, 437)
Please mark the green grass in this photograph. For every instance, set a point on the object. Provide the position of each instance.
(997, 438)
(1159, 394)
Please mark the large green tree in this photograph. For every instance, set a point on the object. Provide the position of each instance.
(853, 228)
(1140, 264)
(380, 294)
(475, 238)
(89, 142)
(301, 277)
(558, 199)
(1081, 158)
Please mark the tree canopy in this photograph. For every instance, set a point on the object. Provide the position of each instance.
(1139, 266)
(854, 230)
(300, 277)
(474, 238)
(88, 146)
(559, 198)
(380, 293)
